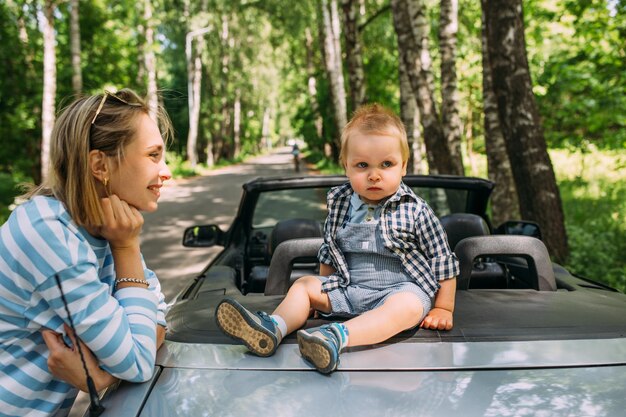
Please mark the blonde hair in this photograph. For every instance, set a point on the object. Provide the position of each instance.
(76, 133)
(374, 119)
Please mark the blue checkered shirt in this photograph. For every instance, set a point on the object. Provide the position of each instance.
(410, 230)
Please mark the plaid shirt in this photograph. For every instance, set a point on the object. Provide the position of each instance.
(410, 230)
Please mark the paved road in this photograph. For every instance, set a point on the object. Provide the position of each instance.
(210, 198)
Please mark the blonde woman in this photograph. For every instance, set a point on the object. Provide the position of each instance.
(80, 229)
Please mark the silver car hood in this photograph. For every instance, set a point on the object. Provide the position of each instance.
(547, 378)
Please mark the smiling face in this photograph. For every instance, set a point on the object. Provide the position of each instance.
(142, 171)
(374, 165)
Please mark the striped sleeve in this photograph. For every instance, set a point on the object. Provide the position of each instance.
(155, 287)
(119, 330)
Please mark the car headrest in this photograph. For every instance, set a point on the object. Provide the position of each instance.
(293, 229)
(459, 226)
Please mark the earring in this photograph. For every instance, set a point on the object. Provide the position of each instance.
(105, 181)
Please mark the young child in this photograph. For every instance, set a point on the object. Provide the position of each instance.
(385, 263)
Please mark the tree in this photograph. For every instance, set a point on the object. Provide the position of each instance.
(150, 59)
(354, 52)
(410, 24)
(450, 120)
(49, 83)
(519, 118)
(330, 33)
(77, 73)
(504, 201)
(409, 115)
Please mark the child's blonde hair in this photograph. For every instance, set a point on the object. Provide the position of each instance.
(80, 129)
(374, 119)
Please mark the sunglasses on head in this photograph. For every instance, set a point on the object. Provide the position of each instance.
(104, 99)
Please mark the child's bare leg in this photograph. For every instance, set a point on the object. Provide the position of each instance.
(304, 294)
(399, 312)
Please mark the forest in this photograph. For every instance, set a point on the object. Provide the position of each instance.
(530, 94)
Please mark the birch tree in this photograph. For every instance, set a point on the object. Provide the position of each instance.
(538, 193)
(412, 44)
(504, 201)
(450, 120)
(194, 82)
(312, 81)
(49, 83)
(150, 59)
(354, 51)
(217, 146)
(409, 115)
(77, 74)
(330, 32)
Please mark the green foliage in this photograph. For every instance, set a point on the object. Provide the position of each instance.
(8, 192)
(593, 191)
(179, 167)
(579, 65)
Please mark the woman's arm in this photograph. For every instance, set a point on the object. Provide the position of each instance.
(65, 362)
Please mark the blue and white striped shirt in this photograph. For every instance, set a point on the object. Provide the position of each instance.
(410, 230)
(38, 241)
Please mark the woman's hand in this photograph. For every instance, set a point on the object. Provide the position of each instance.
(65, 363)
(122, 223)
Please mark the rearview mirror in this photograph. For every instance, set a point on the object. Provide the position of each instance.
(203, 236)
(520, 228)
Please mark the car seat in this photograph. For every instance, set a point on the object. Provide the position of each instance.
(283, 231)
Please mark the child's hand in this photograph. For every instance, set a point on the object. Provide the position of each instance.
(438, 319)
(122, 223)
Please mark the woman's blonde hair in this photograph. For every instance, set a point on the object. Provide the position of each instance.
(80, 129)
(374, 119)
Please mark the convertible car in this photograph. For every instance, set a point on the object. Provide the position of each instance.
(529, 338)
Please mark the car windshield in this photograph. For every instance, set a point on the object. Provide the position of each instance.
(310, 203)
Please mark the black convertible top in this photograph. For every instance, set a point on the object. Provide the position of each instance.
(586, 312)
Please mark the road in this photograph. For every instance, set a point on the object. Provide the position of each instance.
(210, 198)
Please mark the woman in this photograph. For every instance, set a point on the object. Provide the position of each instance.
(81, 226)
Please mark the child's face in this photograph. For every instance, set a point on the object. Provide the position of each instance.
(374, 166)
(140, 176)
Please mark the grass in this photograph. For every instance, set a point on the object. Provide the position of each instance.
(593, 191)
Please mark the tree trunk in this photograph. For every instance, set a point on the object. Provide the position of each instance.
(77, 74)
(410, 118)
(332, 60)
(504, 201)
(49, 84)
(469, 135)
(354, 53)
(312, 82)
(150, 60)
(219, 143)
(265, 129)
(537, 190)
(414, 55)
(194, 83)
(237, 125)
(450, 120)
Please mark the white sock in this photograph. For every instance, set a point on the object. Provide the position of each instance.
(342, 334)
(280, 323)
